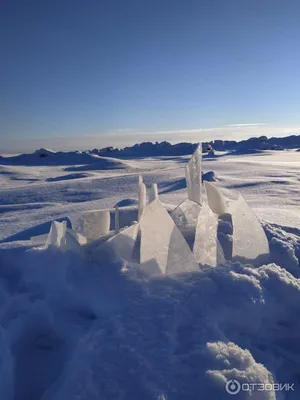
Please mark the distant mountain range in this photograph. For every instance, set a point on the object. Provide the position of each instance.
(167, 149)
(106, 157)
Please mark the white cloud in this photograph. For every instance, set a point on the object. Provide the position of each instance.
(259, 124)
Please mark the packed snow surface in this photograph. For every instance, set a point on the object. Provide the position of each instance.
(89, 325)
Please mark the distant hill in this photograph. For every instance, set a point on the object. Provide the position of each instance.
(80, 160)
(108, 157)
(148, 149)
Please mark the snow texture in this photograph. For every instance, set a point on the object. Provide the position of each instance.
(249, 239)
(71, 328)
(193, 175)
(163, 248)
(207, 249)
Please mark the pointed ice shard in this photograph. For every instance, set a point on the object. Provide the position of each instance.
(57, 233)
(207, 250)
(117, 220)
(79, 238)
(69, 243)
(186, 213)
(142, 196)
(249, 238)
(123, 243)
(153, 192)
(92, 224)
(215, 199)
(193, 175)
(162, 243)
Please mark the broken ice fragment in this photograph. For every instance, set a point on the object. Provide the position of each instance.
(57, 227)
(92, 224)
(193, 175)
(56, 234)
(69, 243)
(153, 192)
(215, 199)
(162, 243)
(123, 243)
(207, 250)
(186, 213)
(117, 220)
(77, 236)
(249, 238)
(142, 196)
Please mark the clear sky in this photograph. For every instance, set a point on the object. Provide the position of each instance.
(95, 72)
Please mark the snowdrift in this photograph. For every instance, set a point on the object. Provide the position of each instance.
(152, 301)
(74, 329)
(49, 157)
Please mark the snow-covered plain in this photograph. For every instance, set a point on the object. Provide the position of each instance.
(72, 328)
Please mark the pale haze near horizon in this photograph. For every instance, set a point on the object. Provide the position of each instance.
(126, 138)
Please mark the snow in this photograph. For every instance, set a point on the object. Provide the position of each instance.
(76, 323)
(114, 334)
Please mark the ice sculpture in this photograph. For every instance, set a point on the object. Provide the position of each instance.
(163, 247)
(193, 175)
(207, 250)
(117, 220)
(153, 192)
(123, 243)
(186, 213)
(57, 234)
(142, 196)
(249, 238)
(92, 224)
(215, 199)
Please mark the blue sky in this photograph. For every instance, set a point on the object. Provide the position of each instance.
(92, 72)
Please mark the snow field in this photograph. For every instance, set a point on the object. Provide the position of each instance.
(78, 320)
